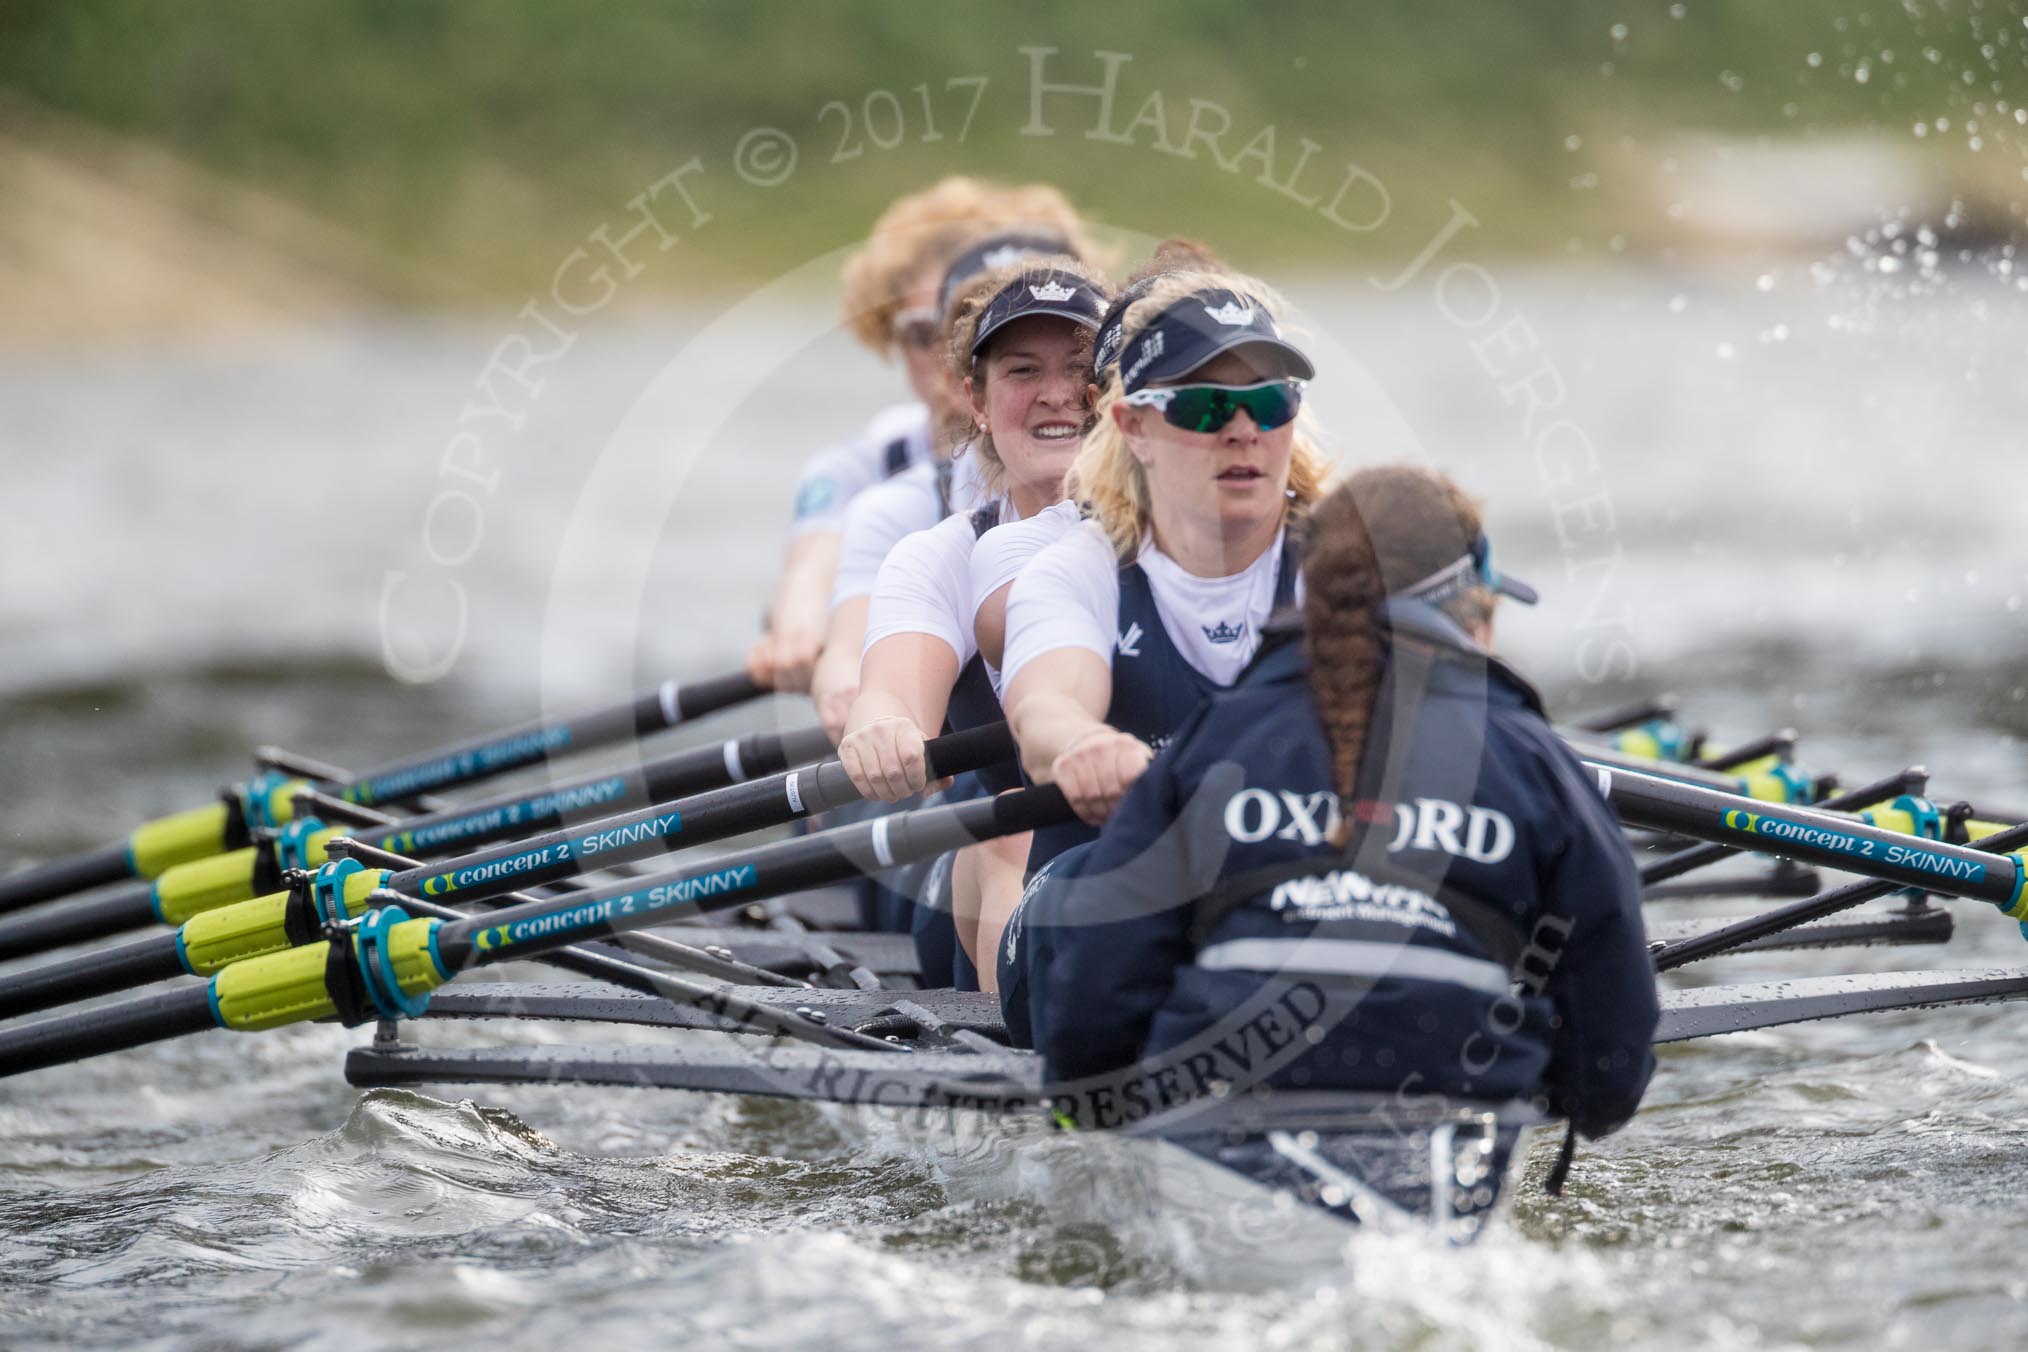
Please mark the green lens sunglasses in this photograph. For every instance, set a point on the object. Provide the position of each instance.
(1207, 407)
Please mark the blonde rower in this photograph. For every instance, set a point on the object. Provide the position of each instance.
(1193, 474)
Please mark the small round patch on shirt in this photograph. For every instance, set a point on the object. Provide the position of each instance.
(815, 497)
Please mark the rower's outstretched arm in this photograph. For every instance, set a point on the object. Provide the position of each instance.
(834, 683)
(1056, 706)
(785, 656)
(1054, 701)
(905, 683)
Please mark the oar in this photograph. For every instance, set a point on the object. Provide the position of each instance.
(238, 875)
(192, 889)
(1661, 709)
(386, 965)
(1767, 779)
(338, 890)
(1904, 857)
(1725, 938)
(1909, 783)
(264, 801)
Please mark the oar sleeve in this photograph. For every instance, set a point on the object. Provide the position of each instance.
(168, 841)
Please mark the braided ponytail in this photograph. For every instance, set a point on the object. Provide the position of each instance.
(1383, 529)
(1343, 592)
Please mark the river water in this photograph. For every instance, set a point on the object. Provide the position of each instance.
(1803, 511)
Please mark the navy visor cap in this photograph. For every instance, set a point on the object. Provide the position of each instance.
(1040, 291)
(1202, 326)
(997, 251)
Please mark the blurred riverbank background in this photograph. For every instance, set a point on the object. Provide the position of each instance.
(171, 170)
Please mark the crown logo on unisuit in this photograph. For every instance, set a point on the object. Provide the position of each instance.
(1223, 632)
(1052, 292)
(1232, 312)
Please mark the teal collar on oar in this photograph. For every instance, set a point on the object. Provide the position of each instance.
(337, 890)
(264, 801)
(408, 958)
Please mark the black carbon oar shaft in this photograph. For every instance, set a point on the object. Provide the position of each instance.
(1727, 937)
(140, 963)
(767, 871)
(225, 825)
(646, 945)
(1760, 748)
(533, 743)
(305, 984)
(510, 815)
(1812, 836)
(110, 1028)
(1912, 780)
(680, 775)
(62, 877)
(1641, 711)
(699, 819)
(116, 911)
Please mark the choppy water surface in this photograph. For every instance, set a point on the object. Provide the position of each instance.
(1818, 528)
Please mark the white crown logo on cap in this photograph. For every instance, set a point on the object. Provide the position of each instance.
(1005, 254)
(1052, 292)
(1233, 313)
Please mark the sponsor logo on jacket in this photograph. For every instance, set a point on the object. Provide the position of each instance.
(1484, 835)
(1347, 894)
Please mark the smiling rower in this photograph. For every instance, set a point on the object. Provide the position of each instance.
(1021, 341)
(1192, 475)
(890, 305)
(917, 498)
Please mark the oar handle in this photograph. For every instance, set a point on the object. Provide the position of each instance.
(956, 753)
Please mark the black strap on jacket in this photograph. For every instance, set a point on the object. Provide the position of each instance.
(943, 475)
(896, 456)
